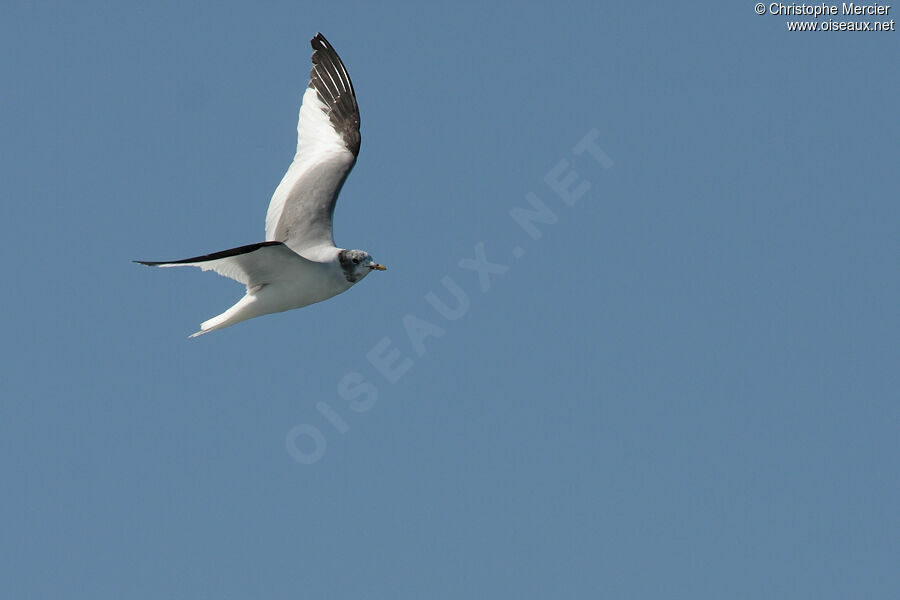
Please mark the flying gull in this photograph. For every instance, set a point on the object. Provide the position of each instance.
(299, 264)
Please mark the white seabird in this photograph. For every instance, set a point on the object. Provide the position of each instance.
(299, 264)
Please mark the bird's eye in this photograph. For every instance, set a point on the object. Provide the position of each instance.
(355, 261)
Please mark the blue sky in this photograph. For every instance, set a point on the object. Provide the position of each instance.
(681, 384)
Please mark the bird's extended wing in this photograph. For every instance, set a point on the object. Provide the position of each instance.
(253, 265)
(300, 212)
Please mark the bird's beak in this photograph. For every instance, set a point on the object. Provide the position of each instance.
(378, 267)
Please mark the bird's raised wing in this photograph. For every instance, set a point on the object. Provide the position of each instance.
(300, 212)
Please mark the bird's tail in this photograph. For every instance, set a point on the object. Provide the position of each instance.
(241, 311)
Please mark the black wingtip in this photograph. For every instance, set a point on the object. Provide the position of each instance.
(318, 42)
(330, 79)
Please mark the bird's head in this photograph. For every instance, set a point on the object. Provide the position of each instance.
(357, 264)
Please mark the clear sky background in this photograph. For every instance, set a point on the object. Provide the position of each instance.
(685, 387)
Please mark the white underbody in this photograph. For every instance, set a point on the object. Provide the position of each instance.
(306, 282)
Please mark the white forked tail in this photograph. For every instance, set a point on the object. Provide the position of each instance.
(241, 311)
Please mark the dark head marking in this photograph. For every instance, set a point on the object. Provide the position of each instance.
(352, 263)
